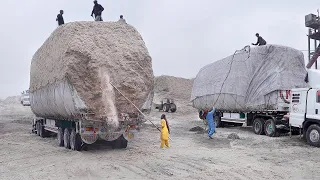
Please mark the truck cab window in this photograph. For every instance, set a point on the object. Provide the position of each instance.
(318, 97)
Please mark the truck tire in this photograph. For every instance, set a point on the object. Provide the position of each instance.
(218, 122)
(173, 108)
(66, 138)
(270, 128)
(313, 135)
(37, 128)
(258, 126)
(42, 131)
(166, 107)
(60, 137)
(75, 140)
(34, 130)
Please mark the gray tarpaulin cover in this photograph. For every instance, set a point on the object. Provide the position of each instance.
(249, 79)
(72, 72)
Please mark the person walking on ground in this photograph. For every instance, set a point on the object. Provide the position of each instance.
(97, 11)
(211, 122)
(60, 18)
(121, 19)
(260, 41)
(165, 131)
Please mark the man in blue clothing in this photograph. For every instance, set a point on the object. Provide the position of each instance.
(211, 123)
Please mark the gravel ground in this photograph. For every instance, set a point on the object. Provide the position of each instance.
(191, 156)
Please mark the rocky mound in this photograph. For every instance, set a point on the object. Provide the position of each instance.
(176, 88)
(173, 87)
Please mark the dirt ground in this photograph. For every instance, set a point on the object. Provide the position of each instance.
(191, 156)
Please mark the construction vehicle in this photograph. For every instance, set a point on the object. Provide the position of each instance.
(25, 98)
(167, 105)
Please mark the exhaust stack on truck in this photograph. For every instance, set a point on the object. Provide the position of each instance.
(70, 83)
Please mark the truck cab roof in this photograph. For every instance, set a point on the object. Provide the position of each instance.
(314, 78)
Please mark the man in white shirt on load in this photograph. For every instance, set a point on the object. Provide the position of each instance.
(121, 19)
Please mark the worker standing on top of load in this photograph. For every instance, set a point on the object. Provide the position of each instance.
(121, 19)
(260, 41)
(97, 11)
(211, 123)
(60, 18)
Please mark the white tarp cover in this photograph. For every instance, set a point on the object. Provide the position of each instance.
(71, 72)
(250, 79)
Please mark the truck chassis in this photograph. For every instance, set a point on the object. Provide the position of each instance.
(77, 134)
(270, 123)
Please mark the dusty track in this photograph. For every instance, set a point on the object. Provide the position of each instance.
(192, 156)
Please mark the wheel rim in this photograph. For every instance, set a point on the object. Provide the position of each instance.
(257, 127)
(269, 128)
(314, 136)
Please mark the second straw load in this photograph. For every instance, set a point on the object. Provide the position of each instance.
(249, 80)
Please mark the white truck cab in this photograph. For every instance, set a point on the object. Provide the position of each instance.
(25, 98)
(304, 109)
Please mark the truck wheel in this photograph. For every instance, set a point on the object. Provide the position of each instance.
(258, 126)
(218, 122)
(60, 137)
(270, 128)
(66, 138)
(75, 140)
(37, 128)
(34, 131)
(42, 132)
(313, 135)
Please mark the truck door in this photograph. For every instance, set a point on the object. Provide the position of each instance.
(298, 107)
(317, 106)
(313, 105)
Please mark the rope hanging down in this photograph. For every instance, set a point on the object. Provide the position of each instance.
(245, 49)
(136, 107)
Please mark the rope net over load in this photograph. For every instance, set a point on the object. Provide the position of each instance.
(250, 79)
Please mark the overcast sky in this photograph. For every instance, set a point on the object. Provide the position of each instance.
(182, 35)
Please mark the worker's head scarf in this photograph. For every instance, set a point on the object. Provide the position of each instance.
(163, 116)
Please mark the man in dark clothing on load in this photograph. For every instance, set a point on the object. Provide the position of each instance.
(97, 11)
(260, 41)
(60, 18)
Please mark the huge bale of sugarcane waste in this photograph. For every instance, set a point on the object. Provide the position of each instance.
(73, 73)
(249, 80)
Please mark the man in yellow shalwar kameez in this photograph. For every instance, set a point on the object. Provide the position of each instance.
(165, 130)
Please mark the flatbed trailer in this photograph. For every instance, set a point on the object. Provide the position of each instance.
(270, 121)
(76, 134)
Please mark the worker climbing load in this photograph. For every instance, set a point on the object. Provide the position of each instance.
(250, 79)
(88, 70)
